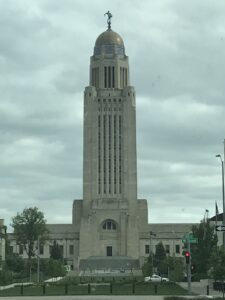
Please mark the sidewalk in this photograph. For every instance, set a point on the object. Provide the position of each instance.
(200, 288)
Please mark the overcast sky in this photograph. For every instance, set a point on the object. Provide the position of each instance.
(176, 51)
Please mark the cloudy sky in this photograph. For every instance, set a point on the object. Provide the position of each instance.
(177, 62)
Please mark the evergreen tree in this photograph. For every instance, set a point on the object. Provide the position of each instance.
(147, 268)
(160, 259)
(207, 243)
(217, 262)
(56, 252)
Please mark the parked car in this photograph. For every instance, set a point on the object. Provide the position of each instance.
(156, 278)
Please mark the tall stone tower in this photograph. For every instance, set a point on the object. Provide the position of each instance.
(111, 217)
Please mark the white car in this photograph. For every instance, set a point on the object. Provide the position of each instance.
(156, 278)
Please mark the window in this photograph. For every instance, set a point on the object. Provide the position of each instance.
(61, 249)
(41, 249)
(167, 248)
(178, 249)
(109, 251)
(50, 249)
(71, 250)
(147, 249)
(20, 249)
(109, 225)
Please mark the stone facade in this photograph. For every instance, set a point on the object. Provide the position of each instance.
(110, 222)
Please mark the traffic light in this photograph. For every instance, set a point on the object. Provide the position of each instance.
(187, 257)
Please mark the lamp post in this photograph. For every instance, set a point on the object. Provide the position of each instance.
(151, 246)
(222, 165)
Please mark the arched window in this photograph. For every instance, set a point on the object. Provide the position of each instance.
(109, 225)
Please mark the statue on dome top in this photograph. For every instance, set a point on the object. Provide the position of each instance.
(108, 13)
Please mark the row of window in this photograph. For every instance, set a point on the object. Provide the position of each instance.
(109, 100)
(167, 249)
(109, 77)
(109, 137)
(42, 249)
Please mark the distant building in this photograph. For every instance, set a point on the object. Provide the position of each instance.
(110, 223)
(2, 241)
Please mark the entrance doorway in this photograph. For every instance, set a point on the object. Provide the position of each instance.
(108, 250)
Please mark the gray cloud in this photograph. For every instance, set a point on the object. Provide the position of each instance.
(176, 52)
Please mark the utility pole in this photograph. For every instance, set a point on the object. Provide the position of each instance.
(189, 267)
(38, 260)
(223, 195)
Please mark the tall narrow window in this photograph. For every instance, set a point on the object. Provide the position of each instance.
(97, 78)
(99, 154)
(115, 154)
(109, 77)
(104, 152)
(113, 77)
(147, 249)
(120, 154)
(109, 151)
(105, 77)
(71, 249)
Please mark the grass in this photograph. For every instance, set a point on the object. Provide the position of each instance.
(140, 288)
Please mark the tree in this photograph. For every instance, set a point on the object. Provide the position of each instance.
(160, 259)
(217, 262)
(56, 252)
(15, 263)
(176, 268)
(147, 268)
(55, 268)
(207, 243)
(160, 252)
(29, 226)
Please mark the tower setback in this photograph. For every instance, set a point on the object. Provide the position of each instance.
(110, 217)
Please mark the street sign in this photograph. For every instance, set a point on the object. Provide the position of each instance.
(191, 239)
(220, 227)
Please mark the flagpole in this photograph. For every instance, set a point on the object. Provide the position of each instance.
(216, 217)
(223, 192)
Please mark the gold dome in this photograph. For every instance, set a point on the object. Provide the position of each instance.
(109, 37)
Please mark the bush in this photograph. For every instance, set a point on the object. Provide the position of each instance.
(5, 276)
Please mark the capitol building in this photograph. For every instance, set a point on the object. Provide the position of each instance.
(110, 228)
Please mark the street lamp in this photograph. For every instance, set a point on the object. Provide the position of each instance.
(151, 246)
(222, 165)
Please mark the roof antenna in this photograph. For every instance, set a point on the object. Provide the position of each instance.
(108, 13)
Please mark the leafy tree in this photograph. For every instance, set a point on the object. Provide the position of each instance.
(55, 268)
(56, 252)
(207, 243)
(29, 226)
(217, 262)
(15, 263)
